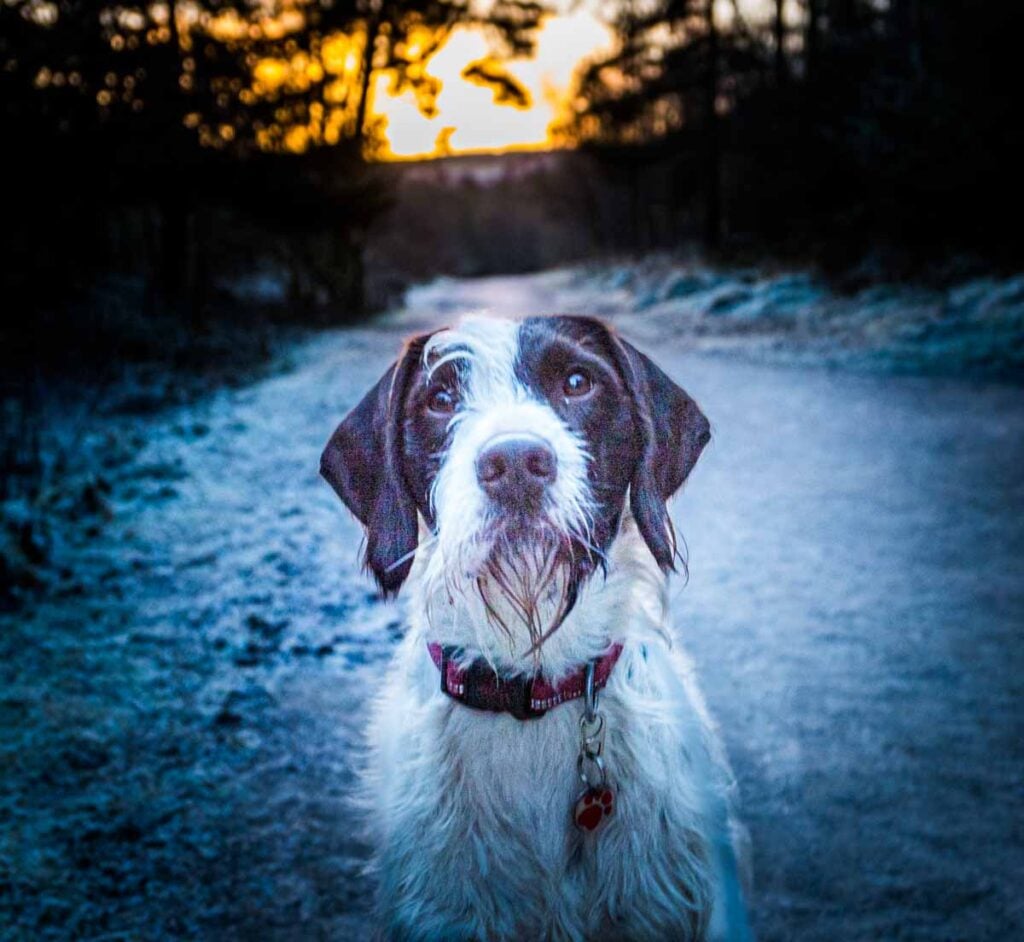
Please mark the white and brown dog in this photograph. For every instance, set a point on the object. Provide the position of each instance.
(513, 477)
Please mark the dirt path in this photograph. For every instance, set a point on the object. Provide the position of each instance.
(180, 722)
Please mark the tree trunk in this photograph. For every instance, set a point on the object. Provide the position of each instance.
(356, 276)
(173, 201)
(172, 26)
(173, 247)
(841, 19)
(712, 144)
(811, 41)
(906, 19)
(780, 42)
(366, 75)
(198, 269)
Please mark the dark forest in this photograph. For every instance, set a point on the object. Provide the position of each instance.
(137, 146)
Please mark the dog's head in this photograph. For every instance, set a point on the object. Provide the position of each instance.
(518, 444)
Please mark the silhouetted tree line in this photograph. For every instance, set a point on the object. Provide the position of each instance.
(185, 142)
(826, 127)
(476, 215)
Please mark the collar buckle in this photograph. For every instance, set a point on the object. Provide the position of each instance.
(481, 689)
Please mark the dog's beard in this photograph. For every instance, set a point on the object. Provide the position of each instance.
(532, 574)
(525, 578)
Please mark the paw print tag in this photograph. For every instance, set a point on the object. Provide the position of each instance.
(593, 807)
(597, 803)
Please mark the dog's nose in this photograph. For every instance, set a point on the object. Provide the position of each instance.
(515, 469)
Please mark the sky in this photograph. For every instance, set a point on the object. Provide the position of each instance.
(468, 115)
(468, 118)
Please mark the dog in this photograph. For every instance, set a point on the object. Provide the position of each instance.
(541, 764)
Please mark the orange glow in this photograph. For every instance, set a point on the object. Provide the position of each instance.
(230, 25)
(271, 74)
(461, 100)
(466, 118)
(341, 55)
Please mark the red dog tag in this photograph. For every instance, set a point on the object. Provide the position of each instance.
(593, 806)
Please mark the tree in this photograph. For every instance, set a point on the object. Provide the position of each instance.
(889, 125)
(653, 88)
(779, 23)
(170, 105)
(313, 82)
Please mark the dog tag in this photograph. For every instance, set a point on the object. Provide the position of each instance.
(593, 807)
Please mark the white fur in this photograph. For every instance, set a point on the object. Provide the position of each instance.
(494, 403)
(471, 811)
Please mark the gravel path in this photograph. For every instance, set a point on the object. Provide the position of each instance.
(181, 717)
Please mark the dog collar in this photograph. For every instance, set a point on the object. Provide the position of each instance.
(479, 687)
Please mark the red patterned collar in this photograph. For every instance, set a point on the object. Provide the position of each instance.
(525, 697)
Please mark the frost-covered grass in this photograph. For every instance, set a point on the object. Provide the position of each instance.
(77, 390)
(177, 686)
(973, 327)
(968, 327)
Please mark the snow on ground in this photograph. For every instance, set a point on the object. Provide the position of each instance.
(182, 706)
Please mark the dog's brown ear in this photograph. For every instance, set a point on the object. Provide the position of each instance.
(673, 433)
(363, 463)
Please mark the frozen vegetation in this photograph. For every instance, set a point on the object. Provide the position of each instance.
(188, 646)
(965, 327)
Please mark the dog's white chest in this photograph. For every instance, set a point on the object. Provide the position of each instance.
(474, 812)
(520, 776)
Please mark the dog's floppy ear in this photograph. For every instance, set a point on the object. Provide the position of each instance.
(673, 432)
(363, 463)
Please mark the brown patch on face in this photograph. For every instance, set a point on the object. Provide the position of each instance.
(424, 430)
(643, 432)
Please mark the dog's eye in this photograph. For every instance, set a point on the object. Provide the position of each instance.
(442, 401)
(577, 383)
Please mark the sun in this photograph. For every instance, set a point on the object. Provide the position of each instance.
(468, 117)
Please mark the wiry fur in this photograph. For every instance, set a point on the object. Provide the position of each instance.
(471, 811)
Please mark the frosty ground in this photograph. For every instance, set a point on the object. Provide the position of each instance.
(182, 703)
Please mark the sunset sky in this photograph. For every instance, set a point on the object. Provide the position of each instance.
(467, 113)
